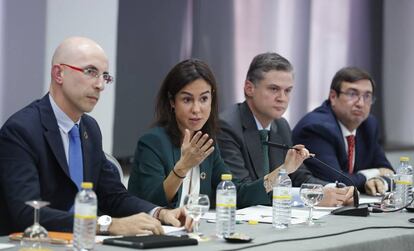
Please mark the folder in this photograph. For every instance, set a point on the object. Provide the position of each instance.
(150, 241)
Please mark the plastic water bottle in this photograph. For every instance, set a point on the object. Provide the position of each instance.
(403, 182)
(226, 207)
(282, 200)
(84, 227)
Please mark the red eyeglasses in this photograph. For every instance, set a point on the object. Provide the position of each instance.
(92, 72)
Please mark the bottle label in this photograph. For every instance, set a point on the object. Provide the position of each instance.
(282, 197)
(403, 182)
(85, 212)
(282, 193)
(226, 201)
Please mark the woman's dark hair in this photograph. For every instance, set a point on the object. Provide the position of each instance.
(181, 75)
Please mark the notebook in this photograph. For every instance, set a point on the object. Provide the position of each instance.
(150, 241)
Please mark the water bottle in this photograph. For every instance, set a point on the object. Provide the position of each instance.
(282, 200)
(84, 227)
(226, 207)
(403, 182)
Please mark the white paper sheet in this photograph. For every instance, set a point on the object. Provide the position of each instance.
(6, 245)
(263, 214)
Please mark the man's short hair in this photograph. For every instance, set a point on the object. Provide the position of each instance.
(266, 62)
(350, 74)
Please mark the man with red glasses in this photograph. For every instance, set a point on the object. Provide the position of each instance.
(343, 134)
(49, 147)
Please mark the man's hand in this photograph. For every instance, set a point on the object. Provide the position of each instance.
(374, 186)
(141, 223)
(333, 197)
(385, 171)
(175, 217)
(295, 157)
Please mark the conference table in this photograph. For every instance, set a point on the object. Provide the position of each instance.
(381, 231)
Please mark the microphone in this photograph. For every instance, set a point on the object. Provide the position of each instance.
(356, 210)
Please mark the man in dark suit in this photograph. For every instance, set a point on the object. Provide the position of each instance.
(343, 134)
(37, 160)
(267, 90)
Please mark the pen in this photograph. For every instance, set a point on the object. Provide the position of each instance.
(283, 146)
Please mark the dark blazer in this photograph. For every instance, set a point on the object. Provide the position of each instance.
(156, 156)
(240, 147)
(33, 166)
(320, 132)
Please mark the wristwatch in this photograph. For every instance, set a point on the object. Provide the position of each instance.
(104, 222)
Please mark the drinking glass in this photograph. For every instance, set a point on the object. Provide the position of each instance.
(389, 199)
(34, 235)
(196, 206)
(311, 195)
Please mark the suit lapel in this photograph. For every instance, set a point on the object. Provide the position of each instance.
(205, 187)
(252, 139)
(359, 151)
(277, 156)
(342, 151)
(176, 155)
(52, 133)
(89, 172)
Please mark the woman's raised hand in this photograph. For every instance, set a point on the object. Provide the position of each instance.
(195, 148)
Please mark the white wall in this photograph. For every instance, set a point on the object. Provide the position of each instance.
(398, 71)
(96, 19)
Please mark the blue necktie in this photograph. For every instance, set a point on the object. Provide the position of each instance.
(75, 156)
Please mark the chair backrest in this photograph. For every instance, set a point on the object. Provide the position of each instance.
(115, 163)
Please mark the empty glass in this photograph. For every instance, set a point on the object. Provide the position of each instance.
(311, 195)
(34, 235)
(196, 206)
(389, 199)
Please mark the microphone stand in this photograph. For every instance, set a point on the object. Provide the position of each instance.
(356, 210)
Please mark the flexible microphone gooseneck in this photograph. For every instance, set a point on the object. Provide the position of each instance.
(355, 210)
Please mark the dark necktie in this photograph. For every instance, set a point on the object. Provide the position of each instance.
(264, 134)
(75, 156)
(351, 151)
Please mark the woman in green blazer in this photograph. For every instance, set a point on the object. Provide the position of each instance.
(178, 155)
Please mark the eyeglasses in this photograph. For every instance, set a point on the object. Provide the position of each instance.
(92, 72)
(354, 96)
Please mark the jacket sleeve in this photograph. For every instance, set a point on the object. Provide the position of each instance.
(230, 149)
(319, 140)
(19, 182)
(150, 170)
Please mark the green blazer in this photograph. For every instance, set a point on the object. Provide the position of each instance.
(155, 157)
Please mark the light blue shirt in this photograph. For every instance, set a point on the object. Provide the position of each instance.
(65, 125)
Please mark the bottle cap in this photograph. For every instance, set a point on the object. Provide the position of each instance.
(226, 176)
(404, 158)
(87, 185)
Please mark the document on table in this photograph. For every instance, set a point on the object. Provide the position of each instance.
(6, 245)
(168, 230)
(263, 214)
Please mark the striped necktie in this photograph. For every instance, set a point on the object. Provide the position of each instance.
(351, 151)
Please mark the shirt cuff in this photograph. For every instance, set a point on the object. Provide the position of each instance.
(152, 212)
(370, 173)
